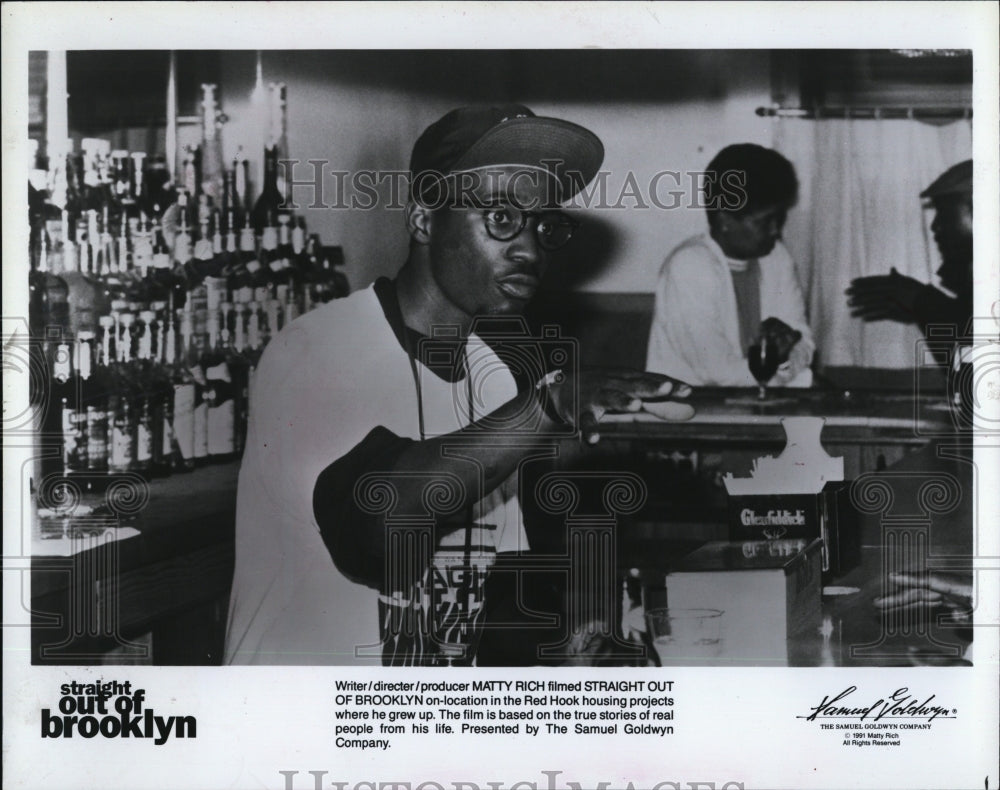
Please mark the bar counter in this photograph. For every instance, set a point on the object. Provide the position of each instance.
(144, 577)
(141, 574)
(736, 416)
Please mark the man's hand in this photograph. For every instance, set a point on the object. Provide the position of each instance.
(781, 336)
(603, 390)
(927, 591)
(885, 297)
(793, 355)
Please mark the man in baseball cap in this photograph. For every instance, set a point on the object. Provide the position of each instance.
(896, 297)
(381, 479)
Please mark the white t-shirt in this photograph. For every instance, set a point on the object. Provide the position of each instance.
(323, 383)
(695, 335)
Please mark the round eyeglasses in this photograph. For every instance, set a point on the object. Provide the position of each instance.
(553, 229)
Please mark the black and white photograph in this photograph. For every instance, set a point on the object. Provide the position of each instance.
(537, 395)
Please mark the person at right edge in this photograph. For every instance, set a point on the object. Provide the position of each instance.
(896, 297)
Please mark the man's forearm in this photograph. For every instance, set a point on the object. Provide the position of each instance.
(481, 456)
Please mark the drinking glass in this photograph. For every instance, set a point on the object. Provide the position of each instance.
(685, 637)
(762, 357)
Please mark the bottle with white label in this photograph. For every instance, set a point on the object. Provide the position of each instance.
(74, 408)
(199, 406)
(122, 455)
(96, 399)
(178, 428)
(143, 437)
(221, 412)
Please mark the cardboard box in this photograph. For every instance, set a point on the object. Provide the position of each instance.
(768, 591)
(827, 515)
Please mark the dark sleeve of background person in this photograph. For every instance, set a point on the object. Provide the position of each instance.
(934, 307)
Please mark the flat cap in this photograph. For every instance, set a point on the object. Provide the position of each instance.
(956, 180)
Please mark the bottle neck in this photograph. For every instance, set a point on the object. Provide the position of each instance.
(61, 366)
(213, 329)
(84, 362)
(271, 169)
(240, 182)
(125, 343)
(106, 346)
(43, 252)
(239, 333)
(253, 327)
(144, 351)
(169, 343)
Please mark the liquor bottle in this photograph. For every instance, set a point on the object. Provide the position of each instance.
(190, 171)
(169, 278)
(234, 346)
(278, 132)
(218, 242)
(86, 296)
(107, 260)
(67, 388)
(298, 236)
(270, 202)
(105, 192)
(123, 251)
(143, 246)
(121, 180)
(241, 187)
(183, 248)
(158, 193)
(263, 278)
(96, 399)
(270, 322)
(311, 274)
(143, 437)
(202, 264)
(220, 413)
(123, 444)
(48, 305)
(74, 181)
(228, 207)
(255, 334)
(290, 306)
(211, 146)
(283, 264)
(159, 393)
(93, 199)
(91, 263)
(137, 174)
(192, 353)
(178, 428)
(144, 332)
(249, 262)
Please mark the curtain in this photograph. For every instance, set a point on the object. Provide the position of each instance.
(860, 214)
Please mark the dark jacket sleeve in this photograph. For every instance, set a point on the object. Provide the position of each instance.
(355, 538)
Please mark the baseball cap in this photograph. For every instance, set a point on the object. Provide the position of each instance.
(956, 180)
(476, 137)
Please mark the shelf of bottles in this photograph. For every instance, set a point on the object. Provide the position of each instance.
(152, 299)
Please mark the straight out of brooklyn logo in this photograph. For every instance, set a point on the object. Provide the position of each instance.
(111, 709)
